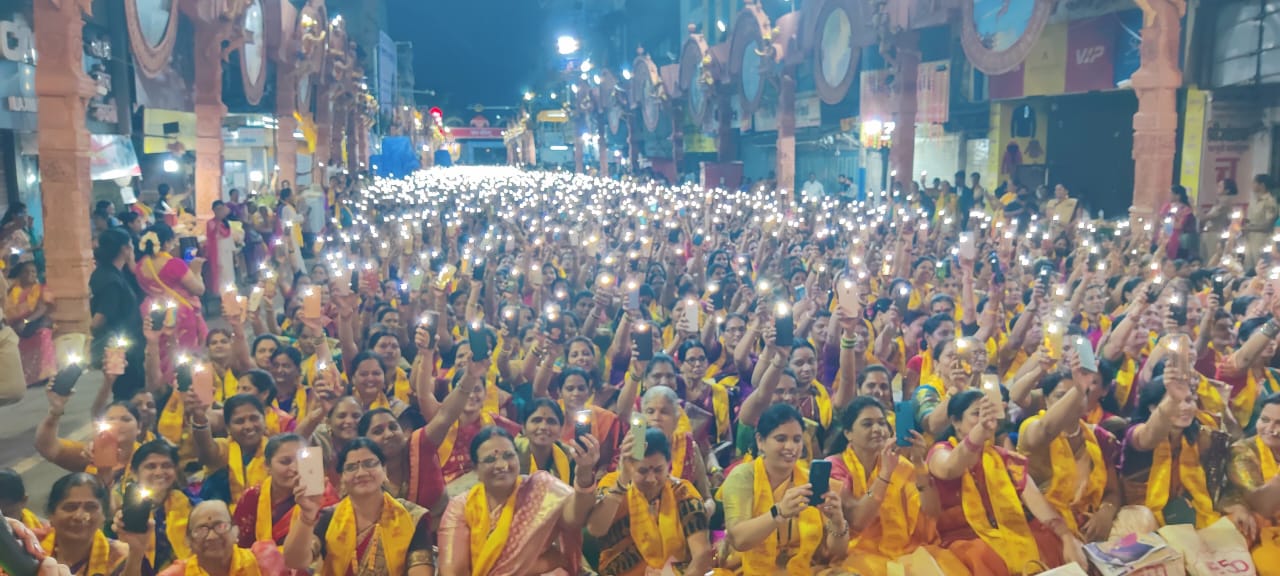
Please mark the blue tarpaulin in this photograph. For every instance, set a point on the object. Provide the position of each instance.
(398, 157)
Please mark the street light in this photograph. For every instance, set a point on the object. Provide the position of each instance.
(567, 45)
(528, 96)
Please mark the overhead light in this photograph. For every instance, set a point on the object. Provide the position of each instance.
(528, 96)
(559, 148)
(170, 165)
(626, 74)
(255, 176)
(553, 95)
(720, 25)
(566, 45)
(574, 88)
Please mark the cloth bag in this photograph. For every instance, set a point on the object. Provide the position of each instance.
(1217, 550)
(1135, 555)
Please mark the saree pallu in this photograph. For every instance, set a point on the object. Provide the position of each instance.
(426, 480)
(249, 510)
(534, 530)
(161, 278)
(35, 345)
(899, 527)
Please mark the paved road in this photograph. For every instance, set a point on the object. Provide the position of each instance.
(18, 433)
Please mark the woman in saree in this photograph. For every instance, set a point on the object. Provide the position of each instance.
(285, 365)
(986, 495)
(331, 421)
(1177, 232)
(890, 505)
(704, 392)
(675, 535)
(369, 384)
(412, 456)
(260, 383)
(1072, 461)
(539, 444)
(169, 281)
(1248, 369)
(509, 524)
(772, 529)
(228, 353)
(1253, 498)
(452, 454)
(263, 349)
(155, 466)
(368, 532)
(576, 386)
(1161, 465)
(28, 310)
(78, 506)
(120, 422)
(265, 512)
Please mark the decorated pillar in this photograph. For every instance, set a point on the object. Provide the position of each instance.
(579, 164)
(63, 90)
(903, 151)
(603, 148)
(209, 114)
(286, 144)
(677, 138)
(727, 147)
(786, 156)
(1155, 126)
(324, 134)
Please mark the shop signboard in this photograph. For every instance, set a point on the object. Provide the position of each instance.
(112, 156)
(1075, 57)
(17, 75)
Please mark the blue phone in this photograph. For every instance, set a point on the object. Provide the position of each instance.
(904, 421)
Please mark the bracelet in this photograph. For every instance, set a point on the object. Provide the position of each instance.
(842, 532)
(56, 413)
(848, 343)
(970, 444)
(195, 426)
(883, 479)
(1271, 329)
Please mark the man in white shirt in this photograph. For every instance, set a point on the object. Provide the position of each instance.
(812, 191)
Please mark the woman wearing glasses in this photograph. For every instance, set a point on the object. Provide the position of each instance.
(367, 533)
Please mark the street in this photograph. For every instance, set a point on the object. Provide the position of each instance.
(18, 433)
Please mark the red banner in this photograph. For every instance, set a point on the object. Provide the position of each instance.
(1091, 54)
(476, 133)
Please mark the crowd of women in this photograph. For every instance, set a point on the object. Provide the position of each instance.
(507, 373)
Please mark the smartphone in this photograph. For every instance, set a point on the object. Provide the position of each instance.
(1084, 349)
(581, 425)
(673, 236)
(65, 380)
(1220, 288)
(1179, 311)
(415, 280)
(311, 471)
(106, 448)
(157, 317)
(184, 377)
(820, 480)
(14, 558)
(639, 443)
(967, 249)
(477, 271)
(904, 421)
(355, 281)
(847, 297)
(478, 340)
(991, 388)
(113, 361)
(1053, 335)
(189, 246)
(202, 385)
(535, 275)
(689, 316)
(784, 326)
(429, 319)
(801, 292)
(311, 304)
(633, 298)
(644, 344)
(446, 276)
(136, 508)
(697, 240)
(231, 303)
(902, 298)
(255, 299)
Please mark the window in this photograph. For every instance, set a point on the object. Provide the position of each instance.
(1246, 48)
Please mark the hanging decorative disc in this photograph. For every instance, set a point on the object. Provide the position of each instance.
(153, 30)
(997, 35)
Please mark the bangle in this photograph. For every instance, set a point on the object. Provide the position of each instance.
(848, 343)
(883, 479)
(970, 444)
(195, 426)
(56, 413)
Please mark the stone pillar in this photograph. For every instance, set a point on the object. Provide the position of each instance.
(209, 114)
(902, 153)
(353, 136)
(786, 157)
(63, 90)
(727, 147)
(286, 144)
(1155, 126)
(603, 147)
(579, 164)
(324, 136)
(337, 127)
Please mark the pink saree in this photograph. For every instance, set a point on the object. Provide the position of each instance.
(36, 341)
(161, 278)
(535, 531)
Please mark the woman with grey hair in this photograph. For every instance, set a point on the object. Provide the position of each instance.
(660, 408)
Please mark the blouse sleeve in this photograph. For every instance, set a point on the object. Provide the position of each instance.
(737, 494)
(1245, 473)
(454, 538)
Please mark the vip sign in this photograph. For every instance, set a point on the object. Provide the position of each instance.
(1086, 56)
(16, 41)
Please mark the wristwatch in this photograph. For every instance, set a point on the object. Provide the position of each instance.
(773, 511)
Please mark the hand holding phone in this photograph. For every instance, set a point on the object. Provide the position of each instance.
(581, 425)
(784, 326)
(311, 472)
(904, 422)
(136, 508)
(106, 448)
(819, 481)
(64, 382)
(202, 384)
(14, 557)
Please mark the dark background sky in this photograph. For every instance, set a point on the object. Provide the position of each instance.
(470, 51)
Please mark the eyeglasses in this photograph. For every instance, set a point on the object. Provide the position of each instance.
(202, 532)
(494, 458)
(353, 467)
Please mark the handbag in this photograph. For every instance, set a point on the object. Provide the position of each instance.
(1217, 550)
(1135, 555)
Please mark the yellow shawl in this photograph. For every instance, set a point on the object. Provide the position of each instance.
(243, 563)
(488, 541)
(393, 533)
(1190, 474)
(1009, 535)
(657, 539)
(242, 476)
(1063, 486)
(764, 557)
(900, 510)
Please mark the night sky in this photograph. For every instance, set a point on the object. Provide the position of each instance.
(471, 51)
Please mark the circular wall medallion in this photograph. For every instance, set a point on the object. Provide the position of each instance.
(253, 55)
(997, 35)
(651, 108)
(153, 30)
(837, 59)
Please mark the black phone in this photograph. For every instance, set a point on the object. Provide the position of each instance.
(697, 240)
(1220, 288)
(478, 340)
(157, 319)
(65, 380)
(1179, 314)
(819, 480)
(581, 425)
(184, 377)
(904, 421)
(477, 272)
(136, 509)
(644, 344)
(785, 330)
(673, 236)
(1153, 292)
(355, 281)
(14, 557)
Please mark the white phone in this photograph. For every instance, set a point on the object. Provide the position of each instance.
(689, 316)
(255, 299)
(311, 471)
(847, 296)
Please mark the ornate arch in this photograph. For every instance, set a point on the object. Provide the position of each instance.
(998, 42)
(255, 16)
(646, 90)
(836, 34)
(151, 59)
(752, 54)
